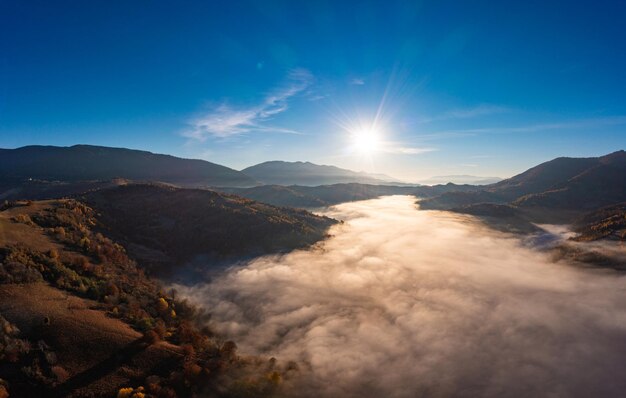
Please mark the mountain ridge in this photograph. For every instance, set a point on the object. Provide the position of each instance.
(461, 179)
(279, 172)
(92, 162)
(165, 226)
(561, 190)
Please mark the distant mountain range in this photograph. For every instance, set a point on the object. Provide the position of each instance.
(310, 174)
(558, 191)
(563, 183)
(39, 172)
(326, 195)
(88, 163)
(461, 179)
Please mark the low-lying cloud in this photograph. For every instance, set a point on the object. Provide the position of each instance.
(407, 303)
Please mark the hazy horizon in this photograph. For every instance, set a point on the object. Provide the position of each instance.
(428, 179)
(438, 89)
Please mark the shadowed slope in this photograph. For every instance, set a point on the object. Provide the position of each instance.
(310, 174)
(574, 184)
(166, 226)
(87, 162)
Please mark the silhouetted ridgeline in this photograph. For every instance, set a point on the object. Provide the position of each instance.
(567, 183)
(310, 174)
(558, 191)
(88, 163)
(326, 195)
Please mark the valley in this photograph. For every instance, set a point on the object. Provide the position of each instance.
(180, 290)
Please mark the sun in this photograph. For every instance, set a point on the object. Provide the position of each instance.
(366, 141)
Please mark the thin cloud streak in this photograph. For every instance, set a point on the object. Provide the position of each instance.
(480, 110)
(225, 121)
(357, 82)
(574, 124)
(405, 150)
(468, 113)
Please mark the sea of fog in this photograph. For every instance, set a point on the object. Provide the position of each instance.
(407, 303)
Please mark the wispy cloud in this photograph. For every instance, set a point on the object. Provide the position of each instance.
(357, 81)
(406, 150)
(225, 121)
(468, 113)
(480, 110)
(402, 148)
(571, 124)
(442, 135)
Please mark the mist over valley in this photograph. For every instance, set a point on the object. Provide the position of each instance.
(402, 302)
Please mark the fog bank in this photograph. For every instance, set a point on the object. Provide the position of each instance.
(407, 303)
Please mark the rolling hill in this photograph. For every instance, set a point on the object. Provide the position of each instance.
(326, 195)
(461, 179)
(89, 163)
(76, 277)
(309, 174)
(571, 184)
(166, 227)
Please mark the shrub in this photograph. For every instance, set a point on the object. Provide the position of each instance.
(162, 305)
(151, 337)
(229, 350)
(11, 346)
(23, 219)
(53, 254)
(85, 243)
(61, 374)
(124, 392)
(15, 272)
(145, 324)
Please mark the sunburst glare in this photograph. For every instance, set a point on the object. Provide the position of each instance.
(366, 140)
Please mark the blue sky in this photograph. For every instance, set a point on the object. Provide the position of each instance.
(481, 88)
